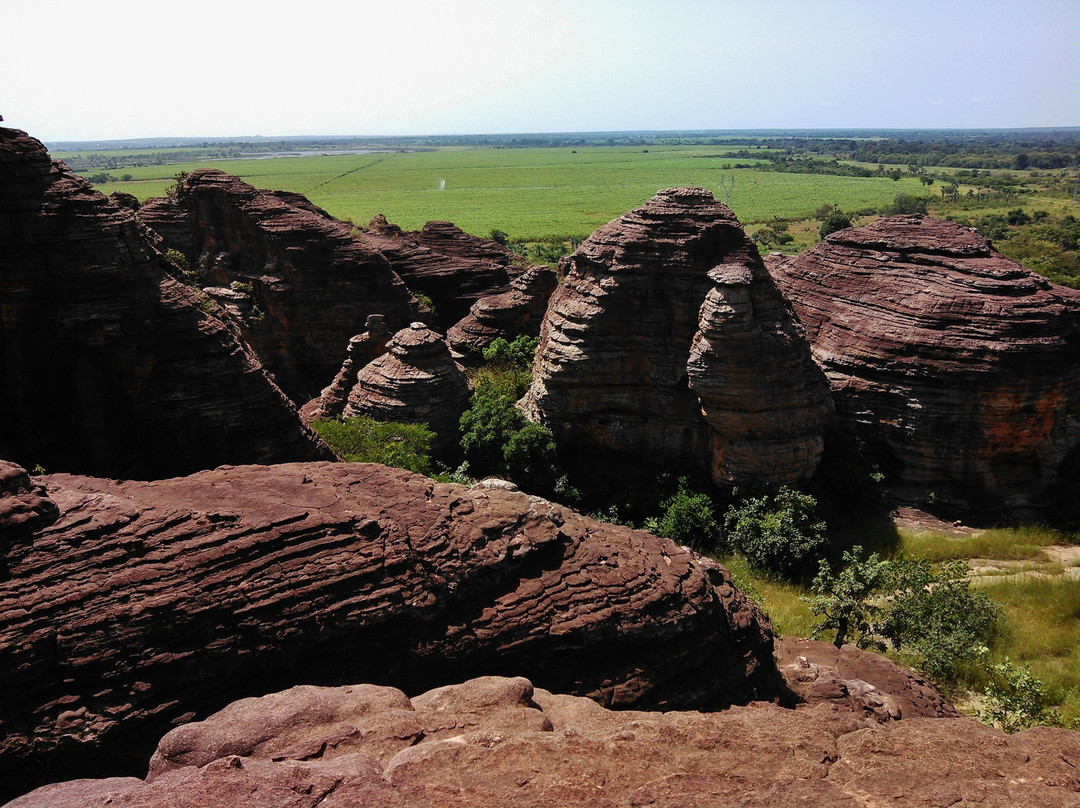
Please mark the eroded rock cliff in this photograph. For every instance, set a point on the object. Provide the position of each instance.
(506, 315)
(126, 607)
(669, 344)
(107, 364)
(954, 369)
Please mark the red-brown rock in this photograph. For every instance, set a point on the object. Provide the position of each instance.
(506, 315)
(147, 604)
(451, 267)
(954, 369)
(363, 348)
(415, 382)
(312, 281)
(668, 344)
(492, 743)
(109, 365)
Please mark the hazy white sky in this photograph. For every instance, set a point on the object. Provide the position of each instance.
(76, 69)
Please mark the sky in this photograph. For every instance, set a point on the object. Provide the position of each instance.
(107, 69)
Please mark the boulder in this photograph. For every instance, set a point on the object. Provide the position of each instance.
(110, 365)
(129, 607)
(668, 344)
(313, 283)
(954, 370)
(415, 382)
(507, 315)
(491, 743)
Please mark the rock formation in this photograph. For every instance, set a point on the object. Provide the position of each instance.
(451, 267)
(126, 607)
(496, 742)
(668, 344)
(954, 369)
(363, 348)
(109, 365)
(851, 679)
(415, 382)
(313, 282)
(506, 315)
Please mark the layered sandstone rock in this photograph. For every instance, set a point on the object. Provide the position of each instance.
(109, 365)
(145, 604)
(314, 284)
(415, 382)
(363, 348)
(497, 742)
(506, 315)
(954, 369)
(668, 344)
(451, 267)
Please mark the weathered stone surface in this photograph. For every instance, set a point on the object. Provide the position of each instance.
(313, 282)
(109, 365)
(147, 604)
(415, 382)
(506, 315)
(529, 748)
(849, 678)
(363, 348)
(954, 369)
(766, 402)
(673, 294)
(445, 263)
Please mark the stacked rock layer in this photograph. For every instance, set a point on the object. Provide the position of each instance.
(415, 382)
(669, 343)
(127, 606)
(108, 364)
(506, 315)
(954, 369)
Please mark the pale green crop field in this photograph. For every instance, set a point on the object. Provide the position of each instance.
(531, 194)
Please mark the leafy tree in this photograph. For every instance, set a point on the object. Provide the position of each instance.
(937, 614)
(687, 518)
(362, 439)
(1014, 698)
(836, 220)
(848, 601)
(518, 353)
(501, 236)
(905, 203)
(779, 534)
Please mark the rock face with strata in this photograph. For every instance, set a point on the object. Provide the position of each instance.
(454, 269)
(312, 281)
(109, 365)
(954, 369)
(144, 604)
(415, 382)
(493, 742)
(507, 315)
(363, 348)
(668, 344)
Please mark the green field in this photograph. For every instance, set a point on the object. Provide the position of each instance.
(532, 194)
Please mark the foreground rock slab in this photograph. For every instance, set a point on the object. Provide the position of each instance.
(493, 742)
(954, 370)
(126, 607)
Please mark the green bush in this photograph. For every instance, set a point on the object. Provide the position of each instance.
(362, 439)
(780, 534)
(936, 613)
(905, 203)
(518, 354)
(498, 440)
(687, 518)
(1014, 698)
(847, 602)
(837, 220)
